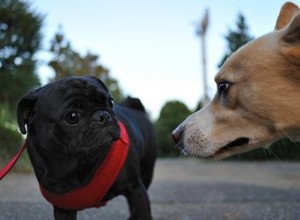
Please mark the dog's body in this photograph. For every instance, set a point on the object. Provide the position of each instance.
(258, 94)
(71, 126)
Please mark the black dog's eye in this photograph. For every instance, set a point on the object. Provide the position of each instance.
(111, 103)
(72, 118)
(223, 88)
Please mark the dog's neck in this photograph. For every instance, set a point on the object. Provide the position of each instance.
(67, 172)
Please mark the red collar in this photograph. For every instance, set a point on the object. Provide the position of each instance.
(92, 194)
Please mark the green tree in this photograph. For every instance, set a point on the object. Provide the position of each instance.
(20, 39)
(172, 113)
(67, 62)
(236, 38)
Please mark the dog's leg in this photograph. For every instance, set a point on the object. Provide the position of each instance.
(139, 204)
(60, 214)
(147, 167)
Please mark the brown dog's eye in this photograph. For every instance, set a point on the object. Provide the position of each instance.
(223, 88)
(72, 118)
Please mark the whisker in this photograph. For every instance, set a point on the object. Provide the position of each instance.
(274, 155)
(183, 151)
(182, 155)
(192, 156)
(215, 159)
(287, 135)
(265, 150)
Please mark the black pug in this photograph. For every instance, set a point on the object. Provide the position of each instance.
(73, 130)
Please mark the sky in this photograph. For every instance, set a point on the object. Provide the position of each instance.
(151, 47)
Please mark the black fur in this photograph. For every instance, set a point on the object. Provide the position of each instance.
(65, 156)
(133, 103)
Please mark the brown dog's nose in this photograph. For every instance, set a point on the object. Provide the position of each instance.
(176, 134)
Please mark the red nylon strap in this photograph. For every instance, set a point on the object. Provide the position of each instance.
(12, 162)
(92, 194)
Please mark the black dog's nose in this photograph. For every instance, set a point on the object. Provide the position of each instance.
(102, 117)
(176, 134)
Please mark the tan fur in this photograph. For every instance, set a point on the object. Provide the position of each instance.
(288, 10)
(263, 101)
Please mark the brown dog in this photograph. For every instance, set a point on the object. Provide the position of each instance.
(258, 98)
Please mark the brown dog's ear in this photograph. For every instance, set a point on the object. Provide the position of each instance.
(286, 14)
(292, 34)
(25, 109)
(290, 39)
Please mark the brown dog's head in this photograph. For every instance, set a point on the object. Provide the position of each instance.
(257, 101)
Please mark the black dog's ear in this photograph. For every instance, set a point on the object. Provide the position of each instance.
(25, 109)
(100, 82)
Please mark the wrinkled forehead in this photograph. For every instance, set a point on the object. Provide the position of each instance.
(80, 86)
(57, 93)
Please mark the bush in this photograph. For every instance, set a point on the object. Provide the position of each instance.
(10, 143)
(171, 115)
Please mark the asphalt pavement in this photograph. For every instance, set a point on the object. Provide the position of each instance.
(183, 189)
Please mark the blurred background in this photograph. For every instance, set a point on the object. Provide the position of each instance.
(164, 52)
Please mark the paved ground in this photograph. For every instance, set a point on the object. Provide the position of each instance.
(183, 190)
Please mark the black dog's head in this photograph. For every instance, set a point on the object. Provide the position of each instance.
(71, 115)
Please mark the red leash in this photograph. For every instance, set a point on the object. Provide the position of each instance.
(12, 162)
